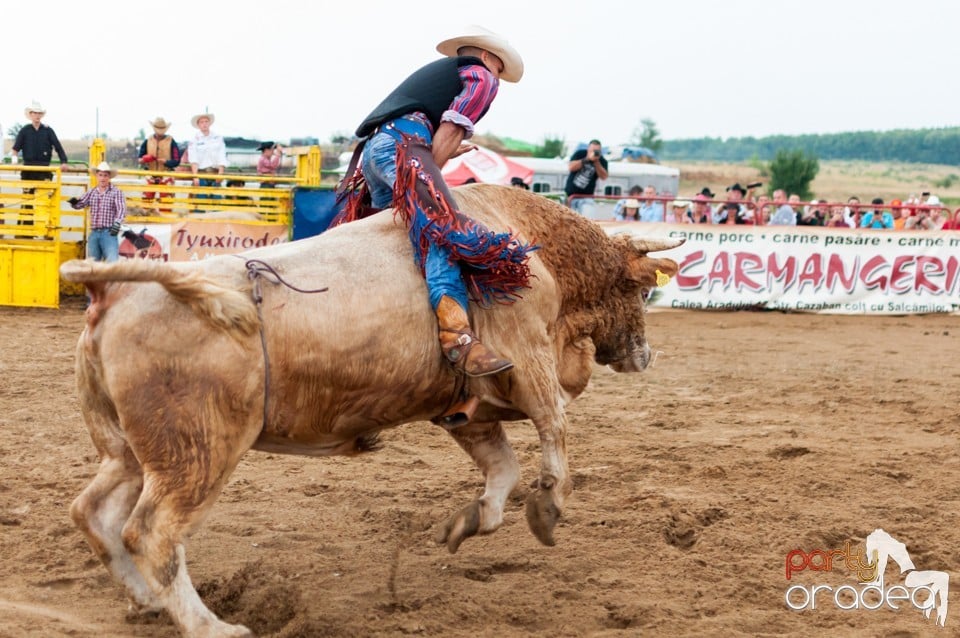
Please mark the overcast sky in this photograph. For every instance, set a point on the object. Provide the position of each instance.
(276, 69)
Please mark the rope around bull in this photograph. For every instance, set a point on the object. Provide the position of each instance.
(258, 270)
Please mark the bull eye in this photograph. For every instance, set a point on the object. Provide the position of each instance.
(646, 293)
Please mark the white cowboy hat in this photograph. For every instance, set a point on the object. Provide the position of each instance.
(34, 108)
(475, 36)
(160, 123)
(193, 120)
(105, 168)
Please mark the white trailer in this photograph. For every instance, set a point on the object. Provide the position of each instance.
(550, 176)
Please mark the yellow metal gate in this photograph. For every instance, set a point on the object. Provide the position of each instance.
(29, 236)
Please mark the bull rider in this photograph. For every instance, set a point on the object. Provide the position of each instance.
(404, 143)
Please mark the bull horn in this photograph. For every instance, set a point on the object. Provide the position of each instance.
(653, 245)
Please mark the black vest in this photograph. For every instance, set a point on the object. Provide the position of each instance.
(429, 90)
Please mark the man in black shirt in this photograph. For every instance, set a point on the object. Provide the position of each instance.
(586, 166)
(37, 142)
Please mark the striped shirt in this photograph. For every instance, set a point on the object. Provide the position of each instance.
(106, 206)
(479, 88)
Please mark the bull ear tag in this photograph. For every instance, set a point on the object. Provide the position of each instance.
(662, 279)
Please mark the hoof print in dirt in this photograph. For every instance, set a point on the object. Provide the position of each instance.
(682, 530)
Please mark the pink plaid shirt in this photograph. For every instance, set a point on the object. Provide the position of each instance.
(106, 206)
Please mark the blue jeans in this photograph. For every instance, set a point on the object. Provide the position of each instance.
(102, 246)
(208, 182)
(379, 164)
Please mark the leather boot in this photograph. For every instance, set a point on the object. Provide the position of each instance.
(461, 347)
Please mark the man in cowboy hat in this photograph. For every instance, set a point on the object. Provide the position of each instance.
(207, 151)
(270, 156)
(408, 137)
(37, 142)
(159, 152)
(107, 210)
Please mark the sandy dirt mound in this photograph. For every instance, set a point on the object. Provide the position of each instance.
(752, 435)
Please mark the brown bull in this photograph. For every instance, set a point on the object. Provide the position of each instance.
(171, 424)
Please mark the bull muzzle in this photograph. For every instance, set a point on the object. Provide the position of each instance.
(638, 360)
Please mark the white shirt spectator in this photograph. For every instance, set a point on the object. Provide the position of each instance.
(784, 216)
(208, 151)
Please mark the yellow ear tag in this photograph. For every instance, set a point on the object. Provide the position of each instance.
(662, 279)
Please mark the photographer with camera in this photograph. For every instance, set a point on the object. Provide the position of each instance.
(926, 216)
(107, 210)
(586, 166)
(877, 217)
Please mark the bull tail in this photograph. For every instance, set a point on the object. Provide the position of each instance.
(225, 307)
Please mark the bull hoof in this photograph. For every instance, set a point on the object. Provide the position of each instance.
(220, 629)
(140, 615)
(459, 527)
(542, 516)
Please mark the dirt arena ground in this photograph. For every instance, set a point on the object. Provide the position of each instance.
(754, 434)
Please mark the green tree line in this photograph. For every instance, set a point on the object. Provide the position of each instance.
(927, 146)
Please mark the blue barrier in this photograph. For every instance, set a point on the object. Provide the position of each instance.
(313, 210)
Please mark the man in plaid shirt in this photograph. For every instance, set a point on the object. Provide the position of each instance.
(107, 210)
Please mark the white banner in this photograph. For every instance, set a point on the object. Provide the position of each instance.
(808, 269)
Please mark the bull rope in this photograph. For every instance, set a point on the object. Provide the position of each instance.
(258, 270)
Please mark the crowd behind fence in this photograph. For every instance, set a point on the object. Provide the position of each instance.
(816, 212)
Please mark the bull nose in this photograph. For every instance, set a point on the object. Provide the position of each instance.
(645, 356)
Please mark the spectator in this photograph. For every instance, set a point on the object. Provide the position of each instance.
(650, 209)
(701, 213)
(815, 214)
(763, 210)
(238, 184)
(586, 166)
(749, 212)
(517, 182)
(678, 212)
(37, 142)
(630, 211)
(409, 136)
(158, 153)
(107, 210)
(732, 211)
(784, 215)
(796, 205)
(899, 214)
(270, 156)
(927, 217)
(951, 223)
(877, 218)
(208, 151)
(635, 192)
(837, 218)
(852, 213)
